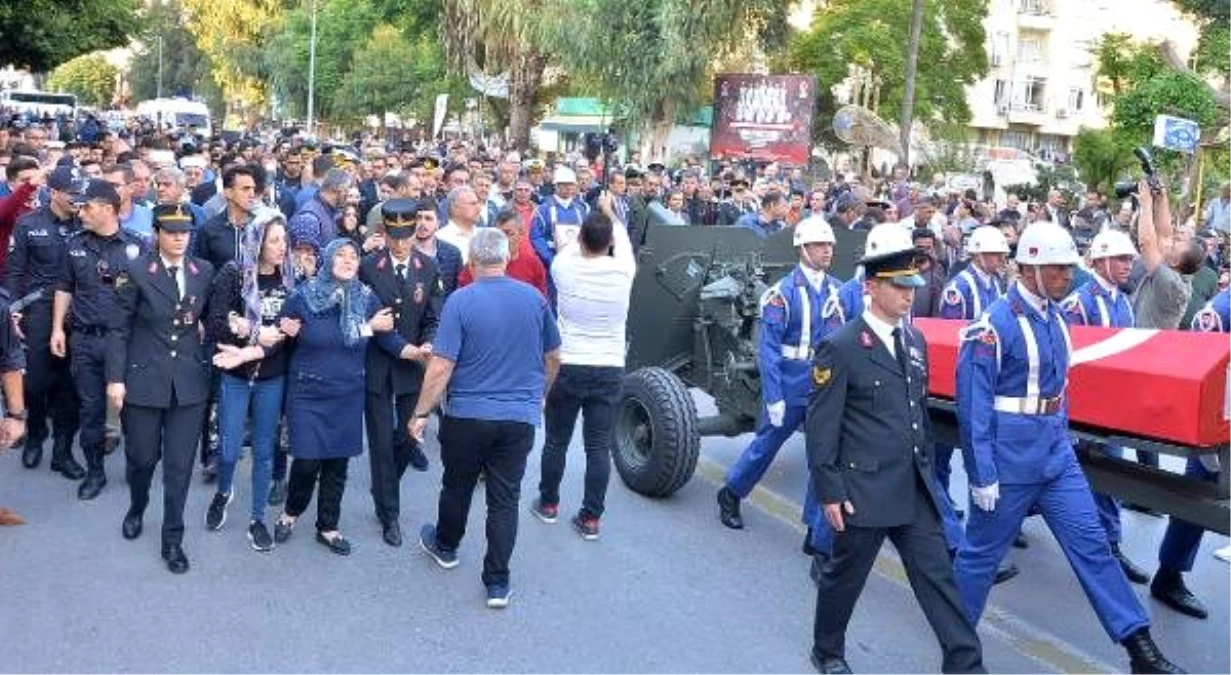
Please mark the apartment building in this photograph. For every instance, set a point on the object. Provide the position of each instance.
(1041, 87)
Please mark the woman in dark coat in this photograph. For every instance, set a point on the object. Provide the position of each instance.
(331, 318)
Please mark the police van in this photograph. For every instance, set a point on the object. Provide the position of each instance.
(178, 114)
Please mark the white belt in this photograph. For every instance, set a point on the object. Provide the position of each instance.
(1028, 405)
(800, 353)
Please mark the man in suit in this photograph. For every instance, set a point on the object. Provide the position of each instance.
(407, 281)
(869, 455)
(157, 376)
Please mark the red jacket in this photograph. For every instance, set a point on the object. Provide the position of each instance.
(525, 267)
(13, 207)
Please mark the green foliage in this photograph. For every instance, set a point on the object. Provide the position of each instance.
(186, 70)
(950, 150)
(1213, 47)
(1169, 93)
(42, 34)
(873, 35)
(377, 80)
(90, 78)
(1102, 156)
(1059, 177)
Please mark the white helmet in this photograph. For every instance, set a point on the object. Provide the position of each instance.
(564, 174)
(987, 239)
(885, 240)
(813, 230)
(1046, 243)
(1111, 244)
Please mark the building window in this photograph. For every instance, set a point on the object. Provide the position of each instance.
(1000, 48)
(1030, 94)
(1036, 7)
(1013, 138)
(1077, 99)
(1031, 48)
(1001, 96)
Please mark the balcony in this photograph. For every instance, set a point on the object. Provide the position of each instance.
(1035, 15)
(1031, 114)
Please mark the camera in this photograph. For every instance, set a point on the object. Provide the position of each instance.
(597, 144)
(1125, 188)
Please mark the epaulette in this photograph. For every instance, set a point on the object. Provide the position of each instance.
(981, 330)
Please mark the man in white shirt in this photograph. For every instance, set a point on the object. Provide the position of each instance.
(593, 277)
(463, 207)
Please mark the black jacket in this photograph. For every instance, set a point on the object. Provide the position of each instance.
(217, 241)
(154, 342)
(416, 304)
(868, 434)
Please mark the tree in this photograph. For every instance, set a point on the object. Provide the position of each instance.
(90, 78)
(186, 70)
(42, 34)
(1102, 156)
(377, 81)
(232, 35)
(654, 59)
(872, 36)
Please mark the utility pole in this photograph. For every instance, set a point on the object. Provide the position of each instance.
(159, 65)
(908, 88)
(311, 68)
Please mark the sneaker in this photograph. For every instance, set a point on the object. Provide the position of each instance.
(259, 537)
(216, 515)
(498, 596)
(427, 540)
(545, 512)
(586, 526)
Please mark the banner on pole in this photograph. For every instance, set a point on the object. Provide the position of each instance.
(1176, 133)
(763, 117)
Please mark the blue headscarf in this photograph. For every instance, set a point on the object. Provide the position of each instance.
(248, 258)
(323, 292)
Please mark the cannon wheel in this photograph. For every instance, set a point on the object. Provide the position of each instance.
(656, 438)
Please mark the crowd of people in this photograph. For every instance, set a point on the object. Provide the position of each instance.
(191, 299)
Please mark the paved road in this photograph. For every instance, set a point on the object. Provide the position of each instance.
(667, 589)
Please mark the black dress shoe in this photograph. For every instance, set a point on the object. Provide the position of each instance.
(1144, 655)
(1134, 573)
(32, 454)
(1168, 588)
(1021, 541)
(131, 529)
(177, 562)
(338, 544)
(829, 664)
(93, 484)
(728, 509)
(1005, 572)
(392, 534)
(69, 468)
(418, 460)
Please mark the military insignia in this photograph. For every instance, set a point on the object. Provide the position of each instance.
(419, 293)
(188, 317)
(988, 337)
(865, 339)
(380, 264)
(1207, 321)
(132, 251)
(418, 263)
(121, 281)
(192, 267)
(821, 376)
(952, 296)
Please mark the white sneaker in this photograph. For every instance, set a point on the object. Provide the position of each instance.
(1223, 554)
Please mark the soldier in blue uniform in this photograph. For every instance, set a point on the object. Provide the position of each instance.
(85, 301)
(796, 313)
(1182, 539)
(1100, 302)
(34, 267)
(1013, 420)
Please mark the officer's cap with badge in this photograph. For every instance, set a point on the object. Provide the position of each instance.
(890, 254)
(399, 217)
(172, 218)
(67, 179)
(98, 190)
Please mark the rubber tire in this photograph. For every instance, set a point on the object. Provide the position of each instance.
(674, 445)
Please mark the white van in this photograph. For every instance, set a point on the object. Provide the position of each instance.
(178, 114)
(38, 103)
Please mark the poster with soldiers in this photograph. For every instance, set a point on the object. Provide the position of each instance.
(763, 117)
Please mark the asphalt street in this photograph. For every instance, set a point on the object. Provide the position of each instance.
(666, 589)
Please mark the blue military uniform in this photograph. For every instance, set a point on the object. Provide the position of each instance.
(969, 293)
(851, 294)
(547, 216)
(795, 317)
(1013, 419)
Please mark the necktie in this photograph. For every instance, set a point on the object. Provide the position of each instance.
(900, 350)
(400, 268)
(175, 278)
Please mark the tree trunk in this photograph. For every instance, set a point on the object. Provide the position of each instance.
(908, 88)
(525, 78)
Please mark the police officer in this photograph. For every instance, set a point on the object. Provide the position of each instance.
(1100, 302)
(558, 219)
(407, 281)
(85, 300)
(796, 313)
(1182, 539)
(1013, 419)
(868, 453)
(34, 266)
(157, 375)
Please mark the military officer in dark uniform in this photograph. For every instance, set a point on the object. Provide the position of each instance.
(407, 281)
(157, 375)
(869, 453)
(96, 259)
(34, 266)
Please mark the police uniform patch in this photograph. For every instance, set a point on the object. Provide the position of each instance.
(121, 281)
(952, 296)
(419, 293)
(132, 251)
(1207, 321)
(821, 376)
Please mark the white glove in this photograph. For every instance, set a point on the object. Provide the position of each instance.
(776, 412)
(1209, 460)
(985, 497)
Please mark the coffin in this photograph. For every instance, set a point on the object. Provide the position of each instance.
(1169, 386)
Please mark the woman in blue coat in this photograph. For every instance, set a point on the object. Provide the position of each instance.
(331, 317)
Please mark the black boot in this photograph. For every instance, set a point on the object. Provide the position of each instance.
(1005, 572)
(1144, 656)
(31, 454)
(728, 509)
(62, 460)
(95, 477)
(1134, 573)
(1168, 588)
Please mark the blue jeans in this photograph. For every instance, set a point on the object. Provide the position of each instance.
(265, 398)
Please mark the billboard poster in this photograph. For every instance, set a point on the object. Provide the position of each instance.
(763, 117)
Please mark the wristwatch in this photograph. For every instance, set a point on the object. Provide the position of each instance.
(17, 415)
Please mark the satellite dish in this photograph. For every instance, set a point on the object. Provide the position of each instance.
(856, 125)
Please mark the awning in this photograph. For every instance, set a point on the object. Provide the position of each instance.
(580, 124)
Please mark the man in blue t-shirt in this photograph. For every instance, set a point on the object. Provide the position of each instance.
(497, 351)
